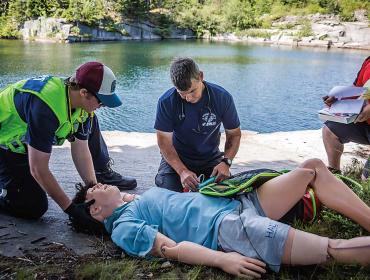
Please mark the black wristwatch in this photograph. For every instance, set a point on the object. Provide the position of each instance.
(228, 161)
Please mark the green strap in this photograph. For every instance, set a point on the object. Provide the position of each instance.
(228, 189)
(312, 195)
(345, 178)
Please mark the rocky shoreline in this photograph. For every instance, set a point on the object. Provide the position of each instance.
(315, 30)
(310, 31)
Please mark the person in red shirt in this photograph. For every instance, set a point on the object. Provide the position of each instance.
(335, 135)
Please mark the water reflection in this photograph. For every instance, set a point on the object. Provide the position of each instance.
(274, 88)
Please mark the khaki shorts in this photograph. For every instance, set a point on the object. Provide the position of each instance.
(249, 232)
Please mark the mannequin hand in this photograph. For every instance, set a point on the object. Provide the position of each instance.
(364, 115)
(222, 171)
(241, 266)
(189, 180)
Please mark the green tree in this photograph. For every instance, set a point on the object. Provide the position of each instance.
(4, 4)
(239, 15)
(133, 8)
(37, 8)
(16, 11)
(90, 12)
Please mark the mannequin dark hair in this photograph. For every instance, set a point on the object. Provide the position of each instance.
(93, 226)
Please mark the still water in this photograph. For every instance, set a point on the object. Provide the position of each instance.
(274, 88)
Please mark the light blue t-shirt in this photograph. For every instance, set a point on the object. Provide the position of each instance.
(180, 216)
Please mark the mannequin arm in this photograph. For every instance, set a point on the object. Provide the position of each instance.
(192, 253)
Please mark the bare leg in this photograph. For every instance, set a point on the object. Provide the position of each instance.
(336, 195)
(280, 194)
(334, 149)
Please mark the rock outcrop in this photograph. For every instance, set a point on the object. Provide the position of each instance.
(313, 31)
(56, 29)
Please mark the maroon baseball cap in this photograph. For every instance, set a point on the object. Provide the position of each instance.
(100, 80)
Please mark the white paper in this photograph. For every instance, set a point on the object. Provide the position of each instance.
(348, 106)
(346, 91)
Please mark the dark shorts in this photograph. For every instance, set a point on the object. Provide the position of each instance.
(20, 194)
(353, 132)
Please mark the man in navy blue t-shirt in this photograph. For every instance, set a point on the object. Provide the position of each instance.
(188, 123)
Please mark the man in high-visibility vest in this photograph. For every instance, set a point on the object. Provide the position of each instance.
(336, 134)
(40, 112)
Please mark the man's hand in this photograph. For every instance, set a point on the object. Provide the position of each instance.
(241, 266)
(328, 100)
(364, 115)
(222, 171)
(189, 180)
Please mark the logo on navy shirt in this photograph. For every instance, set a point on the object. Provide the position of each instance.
(209, 119)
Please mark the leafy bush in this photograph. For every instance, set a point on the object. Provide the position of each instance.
(254, 33)
(306, 29)
(75, 31)
(288, 25)
(206, 16)
(8, 28)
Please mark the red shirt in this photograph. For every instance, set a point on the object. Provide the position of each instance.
(363, 76)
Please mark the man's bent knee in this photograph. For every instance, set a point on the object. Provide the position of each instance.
(328, 135)
(32, 208)
(168, 181)
(33, 212)
(313, 163)
(307, 173)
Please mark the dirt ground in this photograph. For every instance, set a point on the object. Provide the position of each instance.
(51, 240)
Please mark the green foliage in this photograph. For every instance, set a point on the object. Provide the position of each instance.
(112, 27)
(4, 4)
(347, 8)
(239, 15)
(265, 23)
(8, 27)
(17, 10)
(133, 8)
(287, 26)
(75, 31)
(254, 33)
(306, 29)
(38, 8)
(90, 12)
(202, 16)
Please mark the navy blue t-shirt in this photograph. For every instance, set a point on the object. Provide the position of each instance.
(41, 121)
(196, 126)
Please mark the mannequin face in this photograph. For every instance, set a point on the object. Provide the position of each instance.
(107, 199)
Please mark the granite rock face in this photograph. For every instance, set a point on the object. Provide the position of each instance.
(56, 29)
(312, 31)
